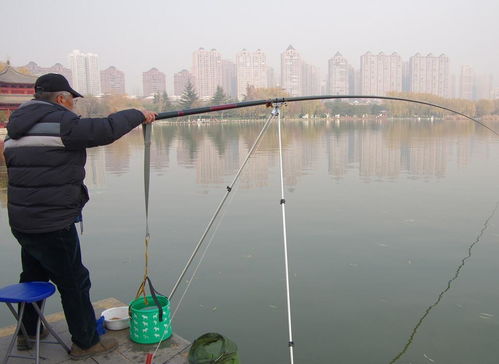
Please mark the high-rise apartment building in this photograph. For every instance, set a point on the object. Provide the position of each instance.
(85, 70)
(429, 74)
(466, 80)
(338, 79)
(112, 81)
(153, 82)
(229, 78)
(406, 79)
(353, 80)
(271, 78)
(291, 71)
(453, 91)
(93, 72)
(251, 70)
(380, 74)
(180, 80)
(207, 71)
(77, 64)
(311, 81)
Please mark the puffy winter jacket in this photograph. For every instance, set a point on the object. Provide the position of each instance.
(45, 153)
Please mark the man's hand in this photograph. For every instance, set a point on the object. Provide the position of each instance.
(149, 115)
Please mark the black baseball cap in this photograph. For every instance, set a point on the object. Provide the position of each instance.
(53, 82)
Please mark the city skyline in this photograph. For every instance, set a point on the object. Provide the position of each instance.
(163, 34)
(378, 74)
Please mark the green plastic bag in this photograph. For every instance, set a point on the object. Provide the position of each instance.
(213, 348)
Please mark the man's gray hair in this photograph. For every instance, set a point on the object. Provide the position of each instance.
(50, 96)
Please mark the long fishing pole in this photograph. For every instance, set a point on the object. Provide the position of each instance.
(282, 100)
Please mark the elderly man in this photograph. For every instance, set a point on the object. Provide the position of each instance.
(45, 153)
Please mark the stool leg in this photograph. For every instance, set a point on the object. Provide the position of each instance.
(48, 327)
(14, 336)
(14, 312)
(38, 324)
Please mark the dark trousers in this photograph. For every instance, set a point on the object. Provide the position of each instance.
(56, 256)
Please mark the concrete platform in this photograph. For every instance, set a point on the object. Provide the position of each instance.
(171, 351)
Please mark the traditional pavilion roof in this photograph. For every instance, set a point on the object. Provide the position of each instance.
(10, 75)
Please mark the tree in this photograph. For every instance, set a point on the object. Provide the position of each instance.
(91, 107)
(115, 103)
(189, 96)
(156, 98)
(251, 93)
(166, 104)
(484, 107)
(4, 116)
(219, 97)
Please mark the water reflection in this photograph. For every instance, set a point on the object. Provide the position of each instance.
(374, 149)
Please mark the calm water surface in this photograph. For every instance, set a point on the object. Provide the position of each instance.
(393, 240)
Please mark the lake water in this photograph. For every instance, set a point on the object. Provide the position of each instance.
(392, 234)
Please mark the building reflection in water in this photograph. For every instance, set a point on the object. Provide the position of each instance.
(371, 149)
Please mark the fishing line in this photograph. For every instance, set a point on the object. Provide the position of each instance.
(440, 296)
(222, 202)
(195, 270)
(203, 254)
(276, 111)
(146, 129)
(193, 274)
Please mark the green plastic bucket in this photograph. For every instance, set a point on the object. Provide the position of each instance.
(145, 327)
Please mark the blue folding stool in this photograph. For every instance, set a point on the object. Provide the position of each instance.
(24, 293)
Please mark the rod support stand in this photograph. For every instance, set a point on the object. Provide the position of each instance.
(276, 108)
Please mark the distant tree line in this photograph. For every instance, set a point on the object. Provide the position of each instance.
(478, 108)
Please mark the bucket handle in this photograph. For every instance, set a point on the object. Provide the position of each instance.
(153, 294)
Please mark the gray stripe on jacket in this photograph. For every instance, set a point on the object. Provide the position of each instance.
(34, 141)
(45, 128)
(42, 129)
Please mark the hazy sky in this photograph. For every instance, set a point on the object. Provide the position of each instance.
(137, 35)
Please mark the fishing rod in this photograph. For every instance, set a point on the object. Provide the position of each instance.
(284, 100)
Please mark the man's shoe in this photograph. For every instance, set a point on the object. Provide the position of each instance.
(105, 345)
(23, 344)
